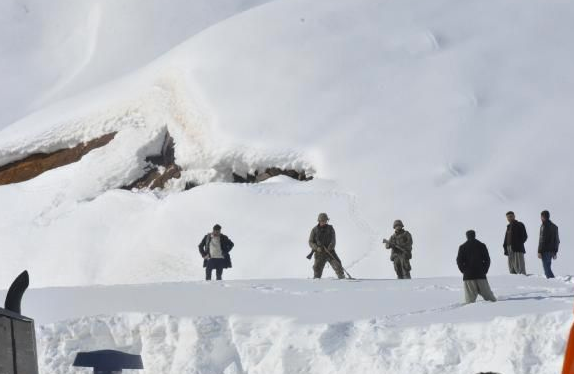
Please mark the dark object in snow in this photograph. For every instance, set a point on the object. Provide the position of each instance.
(160, 169)
(16, 291)
(108, 361)
(17, 334)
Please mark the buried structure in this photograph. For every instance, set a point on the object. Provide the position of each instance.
(17, 336)
(160, 168)
(18, 353)
(108, 361)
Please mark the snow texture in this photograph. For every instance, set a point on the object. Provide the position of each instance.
(445, 114)
(306, 326)
(438, 114)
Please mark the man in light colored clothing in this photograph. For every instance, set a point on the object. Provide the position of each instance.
(514, 240)
(214, 249)
(473, 262)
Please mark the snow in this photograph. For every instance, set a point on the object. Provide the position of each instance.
(444, 114)
(310, 326)
(57, 50)
(444, 119)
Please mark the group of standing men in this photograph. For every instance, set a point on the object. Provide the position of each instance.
(516, 236)
(473, 259)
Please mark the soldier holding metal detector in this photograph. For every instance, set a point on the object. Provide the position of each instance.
(322, 242)
(401, 245)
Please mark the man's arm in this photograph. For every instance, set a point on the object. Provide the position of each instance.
(460, 260)
(333, 240)
(388, 243)
(486, 259)
(557, 241)
(409, 243)
(230, 244)
(312, 243)
(524, 233)
(542, 240)
(202, 247)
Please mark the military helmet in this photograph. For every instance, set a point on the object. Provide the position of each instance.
(398, 222)
(323, 217)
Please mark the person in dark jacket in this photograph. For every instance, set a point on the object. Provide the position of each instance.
(215, 248)
(473, 262)
(514, 240)
(548, 243)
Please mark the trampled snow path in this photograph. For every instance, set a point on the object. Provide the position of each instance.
(307, 326)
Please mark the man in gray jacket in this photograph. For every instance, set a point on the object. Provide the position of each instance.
(322, 241)
(401, 245)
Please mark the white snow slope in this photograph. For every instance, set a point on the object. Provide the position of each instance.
(445, 114)
(304, 326)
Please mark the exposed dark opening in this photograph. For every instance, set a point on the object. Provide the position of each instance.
(160, 169)
(270, 173)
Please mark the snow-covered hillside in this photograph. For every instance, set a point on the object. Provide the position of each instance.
(304, 326)
(445, 114)
(442, 113)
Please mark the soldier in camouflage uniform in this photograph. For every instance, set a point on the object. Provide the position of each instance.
(322, 241)
(401, 245)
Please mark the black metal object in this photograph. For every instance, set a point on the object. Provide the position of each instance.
(108, 361)
(17, 334)
(16, 291)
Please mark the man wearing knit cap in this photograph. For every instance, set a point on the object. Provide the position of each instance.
(215, 248)
(401, 246)
(322, 241)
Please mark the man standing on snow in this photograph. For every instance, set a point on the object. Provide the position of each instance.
(215, 248)
(401, 245)
(322, 241)
(548, 244)
(473, 262)
(514, 244)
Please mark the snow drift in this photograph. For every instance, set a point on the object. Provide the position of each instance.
(302, 326)
(444, 114)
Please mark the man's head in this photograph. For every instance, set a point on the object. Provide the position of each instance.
(470, 235)
(545, 216)
(398, 225)
(323, 219)
(510, 217)
(216, 230)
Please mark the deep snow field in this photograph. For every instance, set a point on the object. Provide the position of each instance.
(309, 326)
(443, 113)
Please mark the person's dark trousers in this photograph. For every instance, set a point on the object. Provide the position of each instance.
(214, 263)
(547, 264)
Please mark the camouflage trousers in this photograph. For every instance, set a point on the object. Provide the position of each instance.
(402, 267)
(321, 260)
